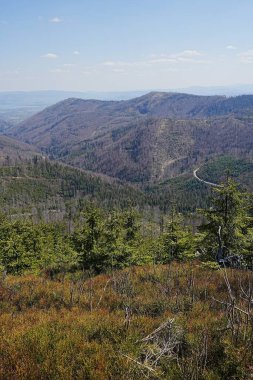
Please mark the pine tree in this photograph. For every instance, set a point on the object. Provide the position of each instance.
(225, 232)
(86, 239)
(176, 240)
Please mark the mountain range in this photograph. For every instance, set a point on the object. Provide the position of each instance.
(143, 140)
(16, 106)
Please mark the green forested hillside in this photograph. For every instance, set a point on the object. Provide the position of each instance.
(45, 189)
(184, 193)
(40, 187)
(99, 239)
(218, 169)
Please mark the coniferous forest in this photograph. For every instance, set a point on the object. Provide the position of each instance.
(120, 292)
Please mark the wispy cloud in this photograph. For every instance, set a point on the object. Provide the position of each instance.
(231, 47)
(123, 64)
(56, 20)
(190, 55)
(162, 59)
(64, 68)
(113, 63)
(76, 52)
(246, 57)
(186, 56)
(59, 71)
(50, 56)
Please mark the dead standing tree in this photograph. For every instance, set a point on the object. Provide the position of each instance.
(234, 261)
(239, 308)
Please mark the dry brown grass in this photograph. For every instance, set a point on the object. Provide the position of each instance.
(94, 329)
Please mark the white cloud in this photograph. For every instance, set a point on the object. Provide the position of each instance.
(122, 64)
(162, 59)
(183, 56)
(159, 61)
(189, 53)
(50, 56)
(193, 60)
(109, 63)
(76, 52)
(64, 68)
(59, 71)
(246, 57)
(231, 47)
(56, 20)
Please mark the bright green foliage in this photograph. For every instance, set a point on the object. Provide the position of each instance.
(102, 240)
(87, 240)
(17, 246)
(56, 251)
(229, 213)
(25, 247)
(106, 241)
(130, 241)
(177, 240)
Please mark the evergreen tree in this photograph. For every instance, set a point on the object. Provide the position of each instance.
(176, 239)
(56, 251)
(86, 240)
(227, 221)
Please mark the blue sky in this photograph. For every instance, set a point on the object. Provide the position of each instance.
(109, 45)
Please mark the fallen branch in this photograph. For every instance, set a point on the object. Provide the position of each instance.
(235, 307)
(150, 369)
(104, 290)
(155, 332)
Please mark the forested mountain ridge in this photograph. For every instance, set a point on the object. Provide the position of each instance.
(219, 169)
(13, 150)
(146, 139)
(41, 189)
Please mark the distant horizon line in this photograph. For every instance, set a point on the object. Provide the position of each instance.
(179, 89)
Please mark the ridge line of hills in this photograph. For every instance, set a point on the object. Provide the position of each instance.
(142, 140)
(148, 145)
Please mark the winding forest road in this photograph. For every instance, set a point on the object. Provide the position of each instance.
(203, 181)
